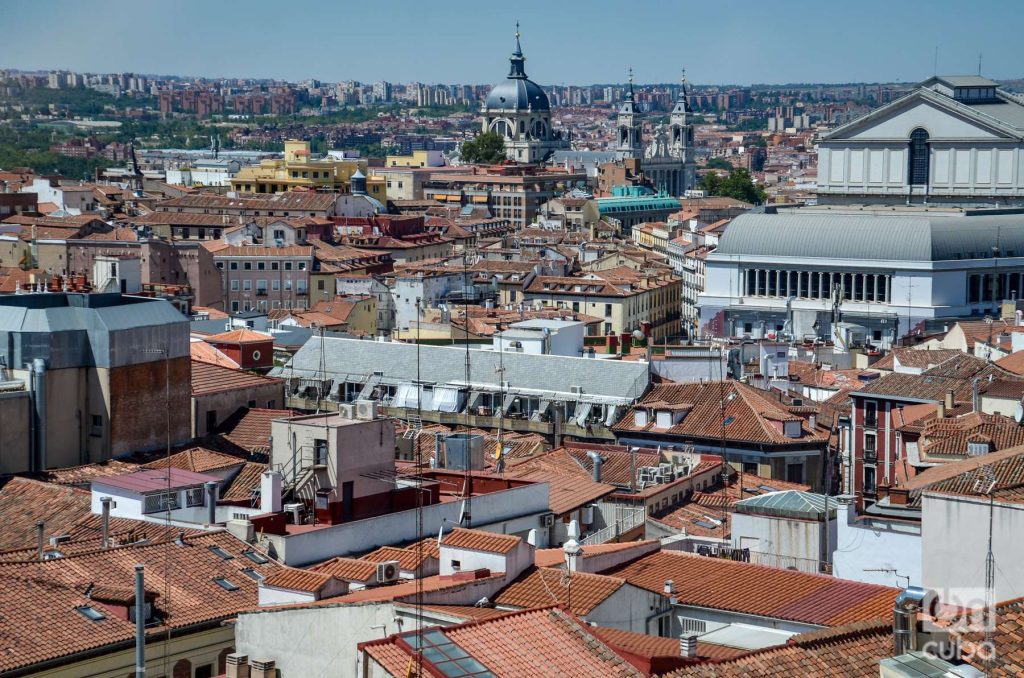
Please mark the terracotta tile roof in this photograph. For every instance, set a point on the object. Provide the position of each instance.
(950, 435)
(547, 642)
(955, 374)
(198, 460)
(250, 430)
(1008, 638)
(1013, 363)
(853, 651)
(750, 415)
(23, 502)
(262, 251)
(541, 586)
(294, 579)
(407, 589)
(923, 359)
(347, 569)
(755, 589)
(45, 594)
(207, 378)
(245, 486)
(85, 474)
(654, 646)
(556, 556)
(1005, 467)
(572, 461)
(478, 540)
(408, 558)
(568, 493)
(242, 335)
(205, 353)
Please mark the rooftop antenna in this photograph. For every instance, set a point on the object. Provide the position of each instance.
(979, 63)
(935, 63)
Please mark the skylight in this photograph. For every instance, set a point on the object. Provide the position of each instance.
(221, 552)
(90, 612)
(447, 657)
(255, 557)
(253, 574)
(225, 584)
(728, 420)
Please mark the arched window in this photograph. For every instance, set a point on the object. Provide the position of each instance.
(918, 162)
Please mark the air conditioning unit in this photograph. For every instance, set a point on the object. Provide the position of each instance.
(547, 520)
(347, 410)
(387, 572)
(576, 389)
(587, 515)
(366, 410)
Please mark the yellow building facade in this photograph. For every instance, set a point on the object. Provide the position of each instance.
(298, 169)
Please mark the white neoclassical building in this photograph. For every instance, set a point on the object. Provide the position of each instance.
(953, 140)
(884, 271)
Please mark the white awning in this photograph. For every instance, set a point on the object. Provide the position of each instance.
(405, 396)
(446, 399)
(582, 412)
(610, 413)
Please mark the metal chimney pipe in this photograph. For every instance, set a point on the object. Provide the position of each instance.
(105, 501)
(140, 622)
(40, 526)
(39, 398)
(211, 502)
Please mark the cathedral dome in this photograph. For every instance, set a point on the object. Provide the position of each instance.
(518, 92)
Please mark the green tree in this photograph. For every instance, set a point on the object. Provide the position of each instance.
(484, 148)
(738, 185)
(719, 163)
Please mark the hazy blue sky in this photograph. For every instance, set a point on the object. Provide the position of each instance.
(456, 41)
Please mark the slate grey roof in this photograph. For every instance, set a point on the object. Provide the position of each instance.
(920, 237)
(964, 81)
(788, 504)
(76, 330)
(355, 359)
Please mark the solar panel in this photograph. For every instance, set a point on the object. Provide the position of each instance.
(705, 524)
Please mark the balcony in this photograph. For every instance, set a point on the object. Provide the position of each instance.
(301, 293)
(870, 456)
(261, 293)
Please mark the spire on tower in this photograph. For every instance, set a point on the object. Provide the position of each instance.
(630, 83)
(519, 50)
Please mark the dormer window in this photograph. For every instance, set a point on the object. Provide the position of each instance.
(640, 417)
(664, 419)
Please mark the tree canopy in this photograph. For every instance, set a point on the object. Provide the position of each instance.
(484, 148)
(738, 185)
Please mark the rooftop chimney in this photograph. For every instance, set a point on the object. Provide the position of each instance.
(670, 587)
(237, 665)
(908, 604)
(263, 668)
(40, 526)
(211, 502)
(105, 529)
(597, 461)
(688, 646)
(948, 401)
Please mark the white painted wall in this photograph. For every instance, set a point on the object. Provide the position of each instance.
(314, 641)
(359, 536)
(864, 551)
(955, 544)
(787, 537)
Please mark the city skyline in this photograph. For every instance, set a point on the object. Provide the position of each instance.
(782, 48)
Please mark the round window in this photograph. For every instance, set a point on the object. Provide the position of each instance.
(255, 355)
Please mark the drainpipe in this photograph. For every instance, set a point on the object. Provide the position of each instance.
(140, 623)
(105, 501)
(211, 503)
(39, 400)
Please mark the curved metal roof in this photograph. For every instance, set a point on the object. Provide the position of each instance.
(518, 94)
(874, 236)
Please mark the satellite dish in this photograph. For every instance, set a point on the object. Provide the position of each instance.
(1018, 414)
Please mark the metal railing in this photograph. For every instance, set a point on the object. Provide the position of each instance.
(625, 520)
